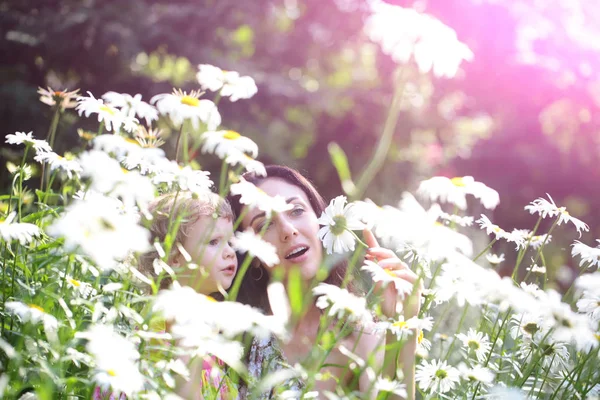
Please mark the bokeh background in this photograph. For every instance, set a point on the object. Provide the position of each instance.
(521, 117)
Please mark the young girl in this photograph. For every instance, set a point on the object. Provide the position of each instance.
(205, 226)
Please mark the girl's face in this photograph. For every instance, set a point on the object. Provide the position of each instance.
(293, 232)
(207, 242)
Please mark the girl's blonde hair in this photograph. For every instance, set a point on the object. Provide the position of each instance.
(185, 208)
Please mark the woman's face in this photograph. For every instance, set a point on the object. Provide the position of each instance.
(293, 232)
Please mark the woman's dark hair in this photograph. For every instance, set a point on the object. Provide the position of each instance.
(254, 291)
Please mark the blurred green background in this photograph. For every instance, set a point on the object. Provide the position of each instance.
(521, 117)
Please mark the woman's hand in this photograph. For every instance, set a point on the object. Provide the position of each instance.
(388, 260)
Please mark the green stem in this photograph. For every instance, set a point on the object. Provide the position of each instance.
(53, 126)
(177, 143)
(460, 324)
(20, 199)
(222, 178)
(489, 246)
(385, 140)
(524, 250)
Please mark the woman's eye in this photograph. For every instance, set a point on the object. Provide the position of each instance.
(263, 226)
(297, 211)
(214, 242)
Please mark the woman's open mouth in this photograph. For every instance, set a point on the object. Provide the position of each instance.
(296, 253)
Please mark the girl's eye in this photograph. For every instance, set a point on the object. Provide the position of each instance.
(214, 242)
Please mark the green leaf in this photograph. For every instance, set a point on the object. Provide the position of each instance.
(295, 291)
(340, 162)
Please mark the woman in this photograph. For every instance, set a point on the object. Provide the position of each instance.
(294, 234)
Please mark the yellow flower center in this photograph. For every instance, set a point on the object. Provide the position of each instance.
(231, 135)
(420, 337)
(597, 336)
(190, 101)
(209, 298)
(74, 282)
(497, 229)
(107, 109)
(400, 324)
(35, 307)
(390, 273)
(111, 372)
(458, 181)
(58, 93)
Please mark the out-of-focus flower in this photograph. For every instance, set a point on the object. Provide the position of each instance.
(552, 355)
(18, 138)
(222, 143)
(386, 276)
(115, 359)
(589, 304)
(537, 269)
(112, 118)
(589, 255)
(22, 232)
(63, 99)
(186, 178)
(456, 219)
(477, 342)
(148, 137)
(339, 220)
(547, 208)
(477, 373)
(98, 229)
(55, 161)
(132, 105)
(385, 385)
(437, 376)
(454, 191)
(249, 242)
(34, 314)
(525, 325)
(228, 83)
(252, 196)
(180, 106)
(494, 259)
(341, 303)
(249, 164)
(405, 32)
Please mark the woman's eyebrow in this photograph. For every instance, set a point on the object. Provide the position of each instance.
(262, 214)
(290, 199)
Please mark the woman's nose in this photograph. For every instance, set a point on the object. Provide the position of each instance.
(287, 230)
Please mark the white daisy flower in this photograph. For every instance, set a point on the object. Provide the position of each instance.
(341, 302)
(494, 259)
(186, 178)
(23, 232)
(589, 282)
(70, 167)
(454, 191)
(63, 98)
(252, 196)
(546, 208)
(525, 325)
(401, 327)
(477, 342)
(552, 355)
(99, 229)
(500, 392)
(423, 345)
(437, 376)
(249, 242)
(115, 359)
(485, 223)
(589, 304)
(250, 165)
(477, 373)
(180, 106)
(456, 219)
(339, 220)
(403, 33)
(115, 144)
(224, 143)
(387, 276)
(112, 118)
(18, 138)
(536, 269)
(589, 255)
(34, 314)
(385, 385)
(229, 83)
(132, 105)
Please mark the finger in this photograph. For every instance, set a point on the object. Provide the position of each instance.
(393, 264)
(380, 252)
(370, 238)
(406, 275)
